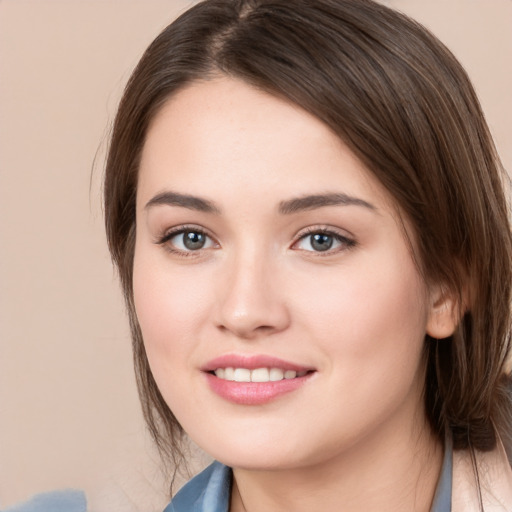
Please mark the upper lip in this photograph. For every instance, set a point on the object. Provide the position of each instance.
(252, 362)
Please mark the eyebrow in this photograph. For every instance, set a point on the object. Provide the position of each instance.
(183, 200)
(311, 202)
(294, 205)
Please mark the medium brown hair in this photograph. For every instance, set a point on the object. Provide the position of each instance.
(404, 105)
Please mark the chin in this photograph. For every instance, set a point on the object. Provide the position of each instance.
(267, 462)
(269, 455)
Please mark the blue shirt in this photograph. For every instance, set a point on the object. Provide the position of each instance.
(210, 491)
(55, 501)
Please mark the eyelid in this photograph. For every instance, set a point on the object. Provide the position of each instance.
(347, 240)
(177, 230)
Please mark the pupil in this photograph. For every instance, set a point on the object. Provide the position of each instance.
(321, 242)
(193, 240)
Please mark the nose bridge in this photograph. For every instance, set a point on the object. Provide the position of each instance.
(251, 301)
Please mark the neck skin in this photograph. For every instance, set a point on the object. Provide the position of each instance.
(396, 470)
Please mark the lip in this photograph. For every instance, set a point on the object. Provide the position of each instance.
(253, 393)
(252, 362)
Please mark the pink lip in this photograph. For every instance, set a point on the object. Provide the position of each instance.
(251, 363)
(253, 393)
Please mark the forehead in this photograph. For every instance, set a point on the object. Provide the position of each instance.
(226, 135)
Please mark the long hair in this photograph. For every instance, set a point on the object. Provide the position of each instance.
(403, 104)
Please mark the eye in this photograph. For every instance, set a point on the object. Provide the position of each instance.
(323, 241)
(186, 240)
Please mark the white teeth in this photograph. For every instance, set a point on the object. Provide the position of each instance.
(242, 375)
(276, 374)
(257, 375)
(260, 375)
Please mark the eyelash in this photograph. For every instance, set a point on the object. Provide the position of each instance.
(346, 242)
(179, 230)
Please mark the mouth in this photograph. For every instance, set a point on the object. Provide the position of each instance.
(254, 380)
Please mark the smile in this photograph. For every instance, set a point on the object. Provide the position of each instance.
(254, 379)
(257, 375)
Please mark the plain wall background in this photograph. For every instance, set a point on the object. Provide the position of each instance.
(69, 414)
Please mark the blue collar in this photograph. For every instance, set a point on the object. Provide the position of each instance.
(443, 496)
(210, 491)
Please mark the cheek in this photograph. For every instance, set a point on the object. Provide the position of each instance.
(170, 307)
(370, 318)
(369, 326)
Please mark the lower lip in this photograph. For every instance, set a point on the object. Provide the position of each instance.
(253, 393)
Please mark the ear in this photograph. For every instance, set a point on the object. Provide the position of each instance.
(445, 312)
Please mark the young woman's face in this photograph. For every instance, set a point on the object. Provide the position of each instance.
(266, 252)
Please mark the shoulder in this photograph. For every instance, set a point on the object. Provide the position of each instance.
(208, 491)
(494, 478)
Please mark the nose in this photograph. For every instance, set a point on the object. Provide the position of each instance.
(251, 301)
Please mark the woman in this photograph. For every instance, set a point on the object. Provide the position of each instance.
(305, 207)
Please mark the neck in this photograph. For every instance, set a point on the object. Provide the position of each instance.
(387, 472)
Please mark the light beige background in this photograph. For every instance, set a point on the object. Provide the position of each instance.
(69, 415)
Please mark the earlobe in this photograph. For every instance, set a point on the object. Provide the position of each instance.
(445, 313)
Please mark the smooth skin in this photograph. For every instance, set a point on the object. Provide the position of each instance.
(328, 283)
